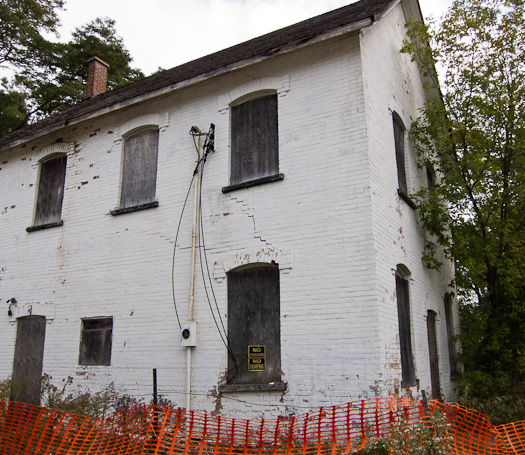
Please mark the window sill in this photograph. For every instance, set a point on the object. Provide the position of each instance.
(39, 227)
(135, 208)
(407, 199)
(274, 386)
(247, 184)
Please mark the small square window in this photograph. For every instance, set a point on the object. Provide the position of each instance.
(95, 343)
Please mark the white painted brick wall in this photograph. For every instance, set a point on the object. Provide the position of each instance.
(336, 217)
(393, 84)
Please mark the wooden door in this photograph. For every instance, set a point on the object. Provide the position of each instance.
(29, 356)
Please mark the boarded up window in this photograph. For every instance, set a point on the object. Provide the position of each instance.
(405, 332)
(254, 325)
(449, 320)
(95, 344)
(50, 191)
(139, 173)
(254, 140)
(433, 354)
(29, 357)
(399, 138)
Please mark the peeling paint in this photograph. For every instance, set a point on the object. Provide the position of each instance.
(217, 397)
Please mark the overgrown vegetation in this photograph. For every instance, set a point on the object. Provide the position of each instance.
(473, 138)
(499, 409)
(77, 401)
(64, 398)
(428, 437)
(67, 398)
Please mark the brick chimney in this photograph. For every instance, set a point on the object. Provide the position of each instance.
(97, 77)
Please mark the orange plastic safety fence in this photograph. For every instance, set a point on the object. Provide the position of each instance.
(27, 429)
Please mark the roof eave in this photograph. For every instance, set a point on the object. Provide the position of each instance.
(68, 122)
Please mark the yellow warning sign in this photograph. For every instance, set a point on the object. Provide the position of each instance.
(257, 358)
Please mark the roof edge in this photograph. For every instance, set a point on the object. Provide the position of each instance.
(345, 20)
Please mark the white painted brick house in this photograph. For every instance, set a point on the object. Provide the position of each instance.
(310, 246)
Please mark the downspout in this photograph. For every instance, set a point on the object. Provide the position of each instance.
(194, 236)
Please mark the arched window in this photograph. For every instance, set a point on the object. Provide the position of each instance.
(451, 337)
(399, 140)
(254, 325)
(433, 354)
(50, 194)
(408, 371)
(254, 142)
(139, 171)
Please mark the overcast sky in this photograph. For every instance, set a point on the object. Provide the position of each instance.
(167, 33)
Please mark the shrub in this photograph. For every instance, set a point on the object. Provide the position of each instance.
(430, 436)
(79, 401)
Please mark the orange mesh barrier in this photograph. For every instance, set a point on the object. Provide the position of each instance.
(27, 429)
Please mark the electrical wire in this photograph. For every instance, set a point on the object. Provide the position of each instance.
(193, 133)
(202, 250)
(175, 250)
(207, 148)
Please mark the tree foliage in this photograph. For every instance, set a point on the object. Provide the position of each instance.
(22, 25)
(50, 76)
(62, 80)
(13, 110)
(473, 136)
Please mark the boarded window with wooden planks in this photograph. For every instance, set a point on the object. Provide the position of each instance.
(254, 141)
(399, 140)
(408, 372)
(139, 170)
(95, 341)
(451, 337)
(50, 191)
(254, 331)
(433, 354)
(29, 358)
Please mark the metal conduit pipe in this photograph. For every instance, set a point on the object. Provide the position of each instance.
(191, 301)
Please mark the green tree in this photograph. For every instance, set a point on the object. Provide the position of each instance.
(60, 81)
(13, 112)
(23, 47)
(473, 136)
(21, 28)
(50, 76)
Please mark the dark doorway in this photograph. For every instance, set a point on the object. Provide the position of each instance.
(433, 354)
(29, 356)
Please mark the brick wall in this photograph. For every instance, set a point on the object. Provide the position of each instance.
(332, 222)
(392, 84)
